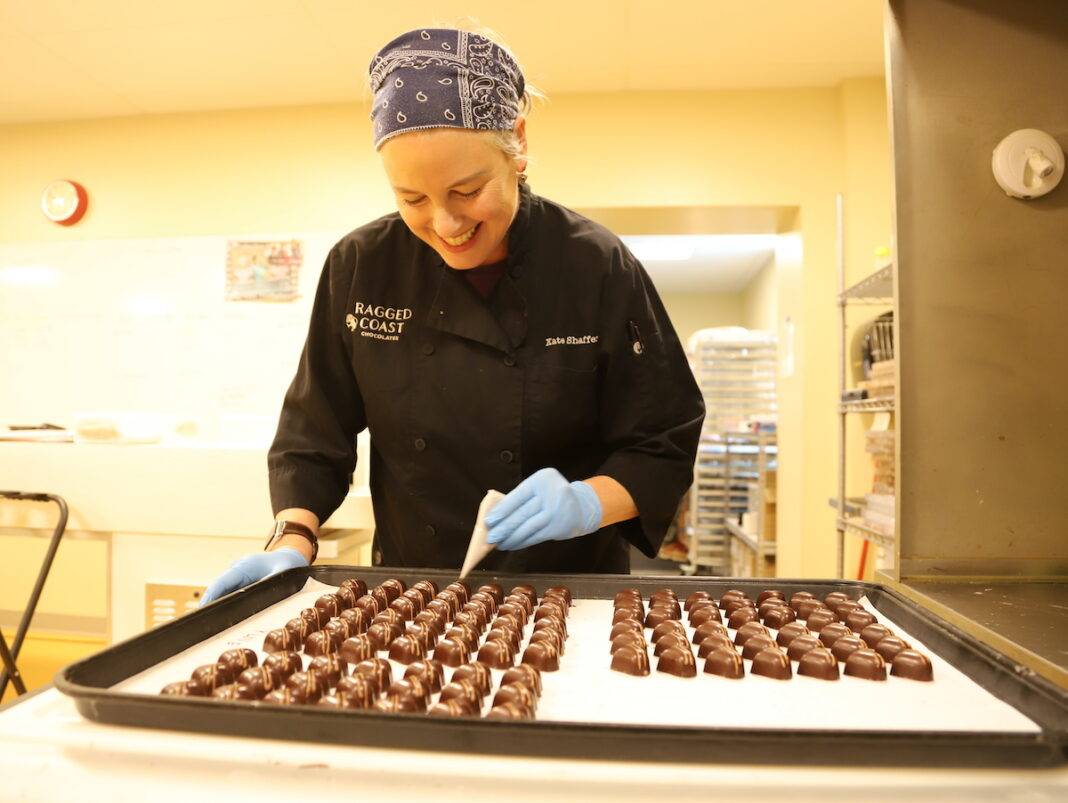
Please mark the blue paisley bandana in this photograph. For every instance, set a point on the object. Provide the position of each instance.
(443, 78)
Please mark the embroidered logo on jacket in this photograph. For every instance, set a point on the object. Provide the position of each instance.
(584, 340)
(378, 322)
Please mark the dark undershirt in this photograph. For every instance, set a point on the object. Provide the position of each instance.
(485, 277)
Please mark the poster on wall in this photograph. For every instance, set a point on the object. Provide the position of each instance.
(263, 270)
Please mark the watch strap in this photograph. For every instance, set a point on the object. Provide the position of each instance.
(282, 527)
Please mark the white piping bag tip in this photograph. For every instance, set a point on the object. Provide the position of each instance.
(478, 548)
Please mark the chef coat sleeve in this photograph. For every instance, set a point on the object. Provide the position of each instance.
(311, 461)
(651, 408)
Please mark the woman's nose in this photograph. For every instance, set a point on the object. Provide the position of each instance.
(447, 224)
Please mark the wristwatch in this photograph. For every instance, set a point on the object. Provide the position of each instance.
(283, 527)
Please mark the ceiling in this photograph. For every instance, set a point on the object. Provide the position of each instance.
(708, 263)
(72, 59)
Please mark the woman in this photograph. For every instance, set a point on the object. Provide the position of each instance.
(488, 338)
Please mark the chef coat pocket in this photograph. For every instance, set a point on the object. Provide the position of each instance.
(562, 403)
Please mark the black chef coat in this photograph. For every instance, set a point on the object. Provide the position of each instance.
(570, 363)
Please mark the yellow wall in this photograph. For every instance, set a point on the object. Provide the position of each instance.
(760, 300)
(692, 311)
(313, 169)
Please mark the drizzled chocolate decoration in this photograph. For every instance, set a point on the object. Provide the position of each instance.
(393, 587)
(496, 655)
(320, 643)
(543, 657)
(305, 687)
(355, 691)
(430, 671)
(232, 662)
(524, 673)
(464, 690)
(518, 694)
(631, 660)
(283, 664)
(725, 662)
(377, 671)
(494, 590)
(678, 662)
(280, 640)
(406, 649)
(330, 668)
(328, 605)
(477, 672)
(452, 652)
(356, 649)
(259, 681)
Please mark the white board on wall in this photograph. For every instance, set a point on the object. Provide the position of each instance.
(141, 325)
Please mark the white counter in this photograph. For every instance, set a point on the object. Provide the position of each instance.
(47, 751)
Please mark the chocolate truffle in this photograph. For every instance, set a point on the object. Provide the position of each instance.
(858, 620)
(452, 652)
(207, 678)
(283, 664)
(771, 663)
(471, 620)
(338, 630)
(559, 626)
(524, 673)
(820, 663)
(346, 597)
(450, 708)
(736, 605)
(451, 600)
(488, 602)
(382, 597)
(627, 595)
(769, 605)
(407, 704)
(798, 597)
(390, 617)
(670, 607)
(748, 630)
(890, 646)
(430, 671)
(356, 649)
(708, 629)
(280, 640)
(423, 634)
(912, 665)
(755, 644)
(764, 596)
(415, 596)
(671, 626)
(740, 617)
(233, 691)
(496, 655)
(843, 609)
(679, 662)
(559, 592)
(522, 601)
(704, 614)
(179, 689)
(427, 588)
(729, 595)
(479, 611)
(406, 650)
(281, 697)
(494, 590)
(260, 680)
(548, 637)
(543, 656)
(233, 662)
(459, 589)
(725, 662)
(377, 671)
(806, 607)
(356, 619)
(357, 586)
(464, 690)
(433, 621)
(509, 621)
(631, 660)
(703, 603)
(305, 687)
(382, 634)
(553, 608)
(846, 645)
(320, 643)
(659, 615)
(513, 638)
(628, 639)
(802, 644)
(789, 632)
(518, 693)
(315, 617)
(713, 643)
(413, 686)
(465, 634)
(833, 632)
(866, 664)
(393, 587)
(476, 672)
(299, 629)
(833, 598)
(527, 591)
(328, 604)
(694, 597)
(355, 691)
(405, 607)
(817, 620)
(627, 614)
(874, 633)
(509, 711)
(778, 617)
(369, 605)
(330, 668)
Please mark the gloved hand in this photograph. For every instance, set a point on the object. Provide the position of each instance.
(543, 507)
(247, 570)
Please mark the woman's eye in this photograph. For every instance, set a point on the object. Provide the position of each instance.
(416, 202)
(471, 194)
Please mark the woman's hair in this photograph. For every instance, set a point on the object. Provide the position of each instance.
(507, 141)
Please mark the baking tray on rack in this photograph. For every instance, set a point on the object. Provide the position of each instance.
(88, 682)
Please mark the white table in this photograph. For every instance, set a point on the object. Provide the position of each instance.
(49, 752)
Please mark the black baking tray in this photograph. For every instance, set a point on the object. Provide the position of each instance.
(88, 682)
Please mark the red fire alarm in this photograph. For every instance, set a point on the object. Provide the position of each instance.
(64, 202)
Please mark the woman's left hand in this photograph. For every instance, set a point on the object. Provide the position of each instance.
(543, 507)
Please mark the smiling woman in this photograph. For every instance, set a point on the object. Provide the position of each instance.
(489, 339)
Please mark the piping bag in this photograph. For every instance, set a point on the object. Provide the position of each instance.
(478, 548)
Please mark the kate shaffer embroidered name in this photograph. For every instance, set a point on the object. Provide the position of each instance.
(583, 340)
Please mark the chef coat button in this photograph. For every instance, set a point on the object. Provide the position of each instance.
(509, 361)
(507, 457)
(516, 271)
(430, 531)
(420, 444)
(428, 349)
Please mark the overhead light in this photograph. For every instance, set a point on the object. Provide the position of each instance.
(660, 248)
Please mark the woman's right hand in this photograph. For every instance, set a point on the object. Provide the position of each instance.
(252, 568)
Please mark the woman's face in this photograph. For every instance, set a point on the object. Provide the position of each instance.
(456, 190)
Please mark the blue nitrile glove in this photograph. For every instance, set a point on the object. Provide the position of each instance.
(543, 507)
(247, 570)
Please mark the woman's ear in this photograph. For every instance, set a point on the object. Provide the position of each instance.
(520, 131)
